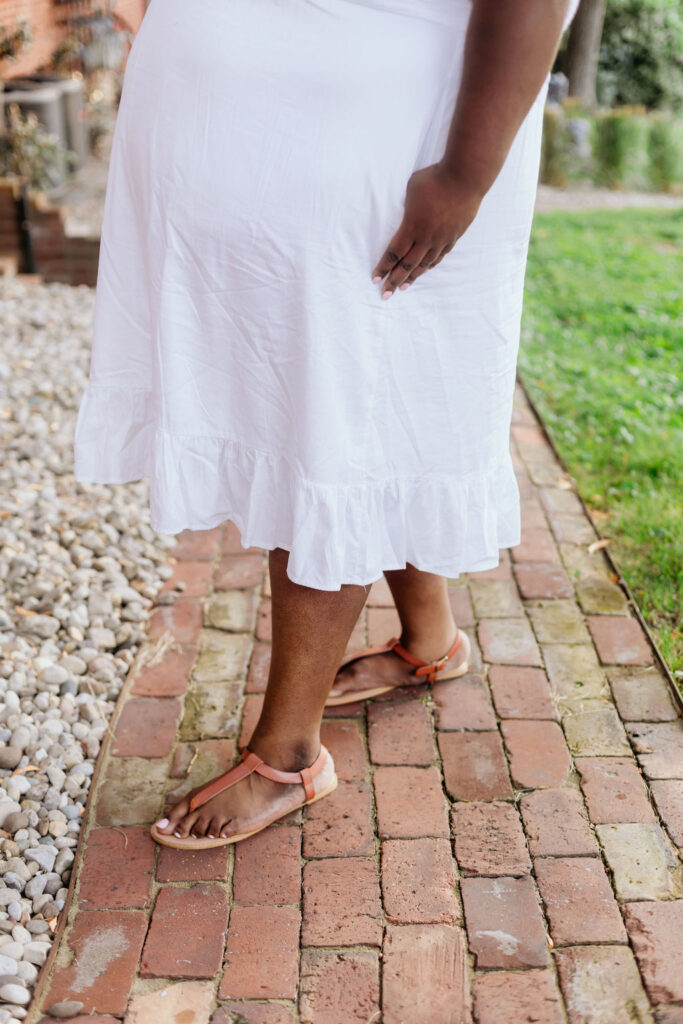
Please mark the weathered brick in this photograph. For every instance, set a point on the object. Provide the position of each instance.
(251, 712)
(538, 753)
(182, 620)
(193, 865)
(343, 740)
(461, 605)
(338, 987)
(341, 824)
(669, 1014)
(599, 596)
(198, 545)
(189, 1001)
(103, 885)
(572, 528)
(186, 934)
(504, 923)
(579, 900)
(474, 765)
(410, 802)
(668, 794)
(147, 727)
(651, 928)
(614, 790)
(542, 579)
(601, 985)
(537, 545)
(232, 542)
(643, 863)
(383, 623)
(418, 881)
(341, 903)
(556, 825)
(239, 572)
(561, 500)
(521, 692)
(511, 996)
(191, 579)
(495, 599)
(580, 563)
(400, 733)
(264, 620)
(167, 678)
(202, 760)
(259, 667)
(508, 642)
(501, 572)
(231, 610)
(619, 640)
(595, 730)
(133, 791)
(641, 694)
(574, 672)
(659, 748)
(268, 868)
(105, 948)
(221, 656)
(463, 704)
(424, 975)
(489, 839)
(558, 622)
(211, 710)
(262, 953)
(247, 1012)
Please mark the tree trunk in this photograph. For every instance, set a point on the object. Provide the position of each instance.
(583, 48)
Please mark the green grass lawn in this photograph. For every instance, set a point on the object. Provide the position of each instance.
(602, 357)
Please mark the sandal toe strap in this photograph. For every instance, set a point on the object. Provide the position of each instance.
(251, 762)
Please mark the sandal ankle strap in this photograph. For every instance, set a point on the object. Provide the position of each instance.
(251, 762)
(426, 668)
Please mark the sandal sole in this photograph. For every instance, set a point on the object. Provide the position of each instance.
(209, 844)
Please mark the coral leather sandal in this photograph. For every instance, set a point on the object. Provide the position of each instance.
(424, 671)
(251, 762)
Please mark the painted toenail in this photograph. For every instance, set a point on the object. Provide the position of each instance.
(163, 823)
(211, 835)
(177, 835)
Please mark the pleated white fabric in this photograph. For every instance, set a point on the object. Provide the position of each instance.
(242, 359)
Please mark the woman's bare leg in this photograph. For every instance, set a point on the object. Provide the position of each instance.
(311, 629)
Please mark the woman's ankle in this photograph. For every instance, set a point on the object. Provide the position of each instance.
(431, 642)
(288, 754)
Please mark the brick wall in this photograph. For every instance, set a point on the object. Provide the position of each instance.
(47, 22)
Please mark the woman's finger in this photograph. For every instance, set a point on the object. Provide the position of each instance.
(399, 245)
(403, 269)
(425, 264)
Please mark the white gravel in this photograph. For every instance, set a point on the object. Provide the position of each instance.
(79, 570)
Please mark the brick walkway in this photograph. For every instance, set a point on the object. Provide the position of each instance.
(501, 850)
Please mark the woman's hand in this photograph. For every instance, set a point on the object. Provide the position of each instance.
(439, 208)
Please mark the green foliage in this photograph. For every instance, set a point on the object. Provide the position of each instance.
(641, 56)
(14, 40)
(620, 147)
(32, 153)
(601, 355)
(665, 151)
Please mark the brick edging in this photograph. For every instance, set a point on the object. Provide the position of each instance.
(621, 582)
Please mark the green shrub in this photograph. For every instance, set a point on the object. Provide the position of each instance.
(641, 54)
(665, 151)
(620, 148)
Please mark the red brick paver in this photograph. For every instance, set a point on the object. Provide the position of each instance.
(500, 847)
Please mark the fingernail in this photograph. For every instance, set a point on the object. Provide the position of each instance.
(406, 284)
(386, 295)
(163, 823)
(376, 279)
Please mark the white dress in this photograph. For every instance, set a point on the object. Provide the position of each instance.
(242, 358)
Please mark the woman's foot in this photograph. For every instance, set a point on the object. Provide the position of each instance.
(248, 805)
(389, 670)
